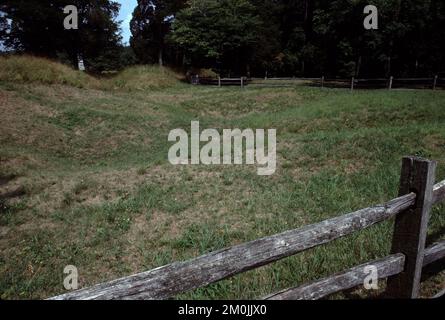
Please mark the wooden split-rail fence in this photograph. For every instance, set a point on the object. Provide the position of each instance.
(403, 266)
(352, 83)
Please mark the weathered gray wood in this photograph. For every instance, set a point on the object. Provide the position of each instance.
(390, 82)
(355, 276)
(439, 192)
(352, 84)
(439, 294)
(285, 79)
(219, 81)
(180, 277)
(373, 79)
(322, 81)
(434, 82)
(348, 279)
(434, 253)
(414, 79)
(410, 227)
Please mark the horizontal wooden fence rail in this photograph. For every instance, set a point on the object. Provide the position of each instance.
(179, 277)
(222, 81)
(284, 79)
(439, 192)
(176, 278)
(351, 278)
(355, 276)
(352, 83)
(434, 252)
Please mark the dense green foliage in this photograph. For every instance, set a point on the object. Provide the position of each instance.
(150, 24)
(36, 27)
(308, 37)
(244, 37)
(226, 33)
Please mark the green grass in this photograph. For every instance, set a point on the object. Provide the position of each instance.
(102, 196)
(29, 69)
(143, 78)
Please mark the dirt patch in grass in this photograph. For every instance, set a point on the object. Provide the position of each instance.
(434, 142)
(5, 179)
(139, 231)
(93, 188)
(273, 96)
(63, 93)
(20, 124)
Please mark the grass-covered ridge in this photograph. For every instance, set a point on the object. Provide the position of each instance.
(144, 78)
(28, 69)
(101, 195)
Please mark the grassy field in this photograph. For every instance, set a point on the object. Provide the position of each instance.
(100, 193)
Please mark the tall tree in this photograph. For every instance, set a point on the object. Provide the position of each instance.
(282, 37)
(150, 24)
(219, 32)
(36, 27)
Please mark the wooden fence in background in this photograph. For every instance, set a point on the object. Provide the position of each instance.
(352, 83)
(403, 267)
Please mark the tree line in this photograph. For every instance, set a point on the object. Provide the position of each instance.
(241, 37)
(37, 27)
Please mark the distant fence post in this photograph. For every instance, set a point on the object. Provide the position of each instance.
(219, 81)
(322, 81)
(242, 82)
(195, 79)
(352, 84)
(390, 82)
(265, 75)
(435, 82)
(410, 228)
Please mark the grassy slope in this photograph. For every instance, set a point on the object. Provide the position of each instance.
(28, 69)
(102, 196)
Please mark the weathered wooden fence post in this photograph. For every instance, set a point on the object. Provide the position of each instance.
(322, 81)
(410, 226)
(390, 82)
(242, 82)
(435, 82)
(219, 81)
(352, 84)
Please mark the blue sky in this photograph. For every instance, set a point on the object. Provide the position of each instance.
(127, 7)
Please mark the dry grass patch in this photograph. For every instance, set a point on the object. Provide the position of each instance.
(28, 69)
